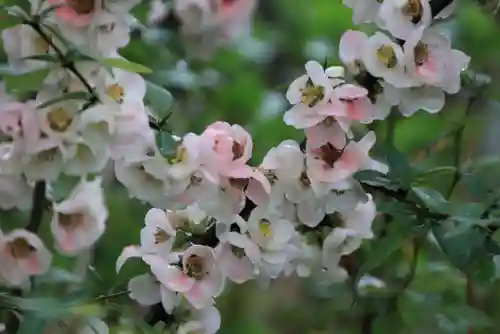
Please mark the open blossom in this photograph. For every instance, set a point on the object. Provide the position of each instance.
(327, 163)
(79, 221)
(383, 58)
(364, 11)
(230, 149)
(198, 278)
(22, 255)
(401, 17)
(312, 96)
(237, 254)
(268, 229)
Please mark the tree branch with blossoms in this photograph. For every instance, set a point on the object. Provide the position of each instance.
(308, 209)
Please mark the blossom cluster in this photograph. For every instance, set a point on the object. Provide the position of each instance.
(214, 218)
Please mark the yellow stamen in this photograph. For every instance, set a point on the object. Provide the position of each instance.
(387, 56)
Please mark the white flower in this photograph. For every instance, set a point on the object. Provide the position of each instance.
(24, 255)
(120, 86)
(268, 229)
(237, 254)
(20, 42)
(363, 11)
(187, 157)
(341, 241)
(351, 49)
(402, 17)
(360, 218)
(199, 279)
(205, 321)
(428, 98)
(147, 290)
(312, 97)
(45, 159)
(79, 221)
(384, 59)
(141, 182)
(158, 236)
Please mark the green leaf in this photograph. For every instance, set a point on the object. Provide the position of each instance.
(166, 143)
(159, 99)
(431, 199)
(399, 167)
(384, 248)
(82, 96)
(376, 179)
(8, 20)
(126, 65)
(29, 82)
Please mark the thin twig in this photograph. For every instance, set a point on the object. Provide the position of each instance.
(63, 58)
(112, 295)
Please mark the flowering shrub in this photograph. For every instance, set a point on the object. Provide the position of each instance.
(305, 210)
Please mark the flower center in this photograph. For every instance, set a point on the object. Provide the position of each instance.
(304, 180)
(180, 155)
(387, 56)
(71, 221)
(271, 176)
(311, 95)
(107, 28)
(265, 227)
(238, 150)
(329, 154)
(82, 6)
(413, 9)
(116, 92)
(421, 53)
(237, 251)
(20, 248)
(59, 119)
(161, 236)
(195, 267)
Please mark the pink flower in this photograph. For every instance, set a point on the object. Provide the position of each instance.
(22, 255)
(198, 278)
(327, 163)
(76, 12)
(351, 49)
(229, 149)
(18, 118)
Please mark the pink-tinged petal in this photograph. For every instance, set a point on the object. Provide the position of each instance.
(360, 110)
(238, 171)
(351, 46)
(302, 117)
(334, 107)
(33, 265)
(199, 297)
(170, 276)
(67, 14)
(430, 71)
(350, 92)
(127, 253)
(324, 133)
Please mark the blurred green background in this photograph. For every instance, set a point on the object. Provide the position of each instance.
(245, 83)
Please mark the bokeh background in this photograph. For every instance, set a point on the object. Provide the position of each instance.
(244, 82)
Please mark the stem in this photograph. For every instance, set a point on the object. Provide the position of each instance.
(112, 295)
(458, 139)
(36, 217)
(367, 323)
(63, 58)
